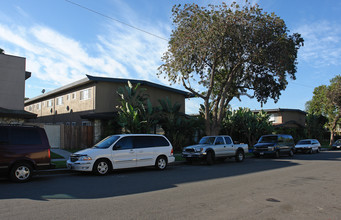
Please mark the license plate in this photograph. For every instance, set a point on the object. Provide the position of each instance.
(261, 153)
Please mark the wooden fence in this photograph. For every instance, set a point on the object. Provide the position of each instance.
(77, 137)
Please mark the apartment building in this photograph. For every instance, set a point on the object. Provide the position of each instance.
(12, 89)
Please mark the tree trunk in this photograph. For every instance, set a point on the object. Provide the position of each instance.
(331, 138)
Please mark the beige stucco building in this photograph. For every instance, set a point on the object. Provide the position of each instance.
(12, 89)
(91, 100)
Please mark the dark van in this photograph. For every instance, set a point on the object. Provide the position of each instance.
(22, 150)
(275, 144)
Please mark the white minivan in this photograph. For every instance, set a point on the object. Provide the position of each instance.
(124, 151)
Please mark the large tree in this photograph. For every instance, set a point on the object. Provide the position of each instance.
(327, 102)
(222, 52)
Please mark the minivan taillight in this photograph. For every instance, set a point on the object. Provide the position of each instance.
(172, 152)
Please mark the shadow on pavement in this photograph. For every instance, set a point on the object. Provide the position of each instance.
(141, 180)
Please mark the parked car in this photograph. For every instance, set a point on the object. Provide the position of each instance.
(274, 144)
(308, 146)
(337, 144)
(22, 150)
(211, 148)
(124, 151)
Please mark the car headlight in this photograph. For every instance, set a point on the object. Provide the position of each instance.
(84, 158)
(271, 148)
(198, 149)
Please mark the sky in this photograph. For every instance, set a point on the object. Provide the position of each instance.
(63, 40)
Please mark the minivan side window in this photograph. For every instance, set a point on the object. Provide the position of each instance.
(25, 136)
(149, 141)
(124, 144)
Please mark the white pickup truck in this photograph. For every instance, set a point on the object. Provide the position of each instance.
(211, 148)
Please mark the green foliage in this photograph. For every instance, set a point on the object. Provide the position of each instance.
(226, 51)
(327, 102)
(315, 126)
(2, 51)
(246, 126)
(179, 128)
(135, 114)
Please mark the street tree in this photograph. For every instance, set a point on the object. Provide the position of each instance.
(327, 102)
(223, 52)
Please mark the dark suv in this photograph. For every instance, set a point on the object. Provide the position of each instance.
(22, 150)
(275, 144)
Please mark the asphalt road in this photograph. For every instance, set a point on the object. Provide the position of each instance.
(302, 187)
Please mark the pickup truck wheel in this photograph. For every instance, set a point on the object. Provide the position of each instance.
(209, 158)
(240, 156)
(21, 172)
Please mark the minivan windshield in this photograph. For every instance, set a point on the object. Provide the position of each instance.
(207, 140)
(268, 139)
(107, 142)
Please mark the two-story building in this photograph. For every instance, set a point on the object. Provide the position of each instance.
(288, 118)
(12, 90)
(92, 100)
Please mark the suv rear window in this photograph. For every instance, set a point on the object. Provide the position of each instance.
(25, 136)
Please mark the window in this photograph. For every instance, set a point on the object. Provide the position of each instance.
(38, 106)
(49, 103)
(73, 96)
(219, 140)
(30, 108)
(68, 97)
(59, 100)
(86, 123)
(228, 140)
(149, 141)
(85, 94)
(124, 144)
(25, 136)
(73, 123)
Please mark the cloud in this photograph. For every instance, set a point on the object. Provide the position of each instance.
(322, 43)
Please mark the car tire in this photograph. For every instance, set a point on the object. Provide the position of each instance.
(311, 151)
(21, 172)
(240, 156)
(161, 163)
(101, 167)
(318, 150)
(210, 158)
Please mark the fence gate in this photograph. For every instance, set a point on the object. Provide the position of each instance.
(53, 134)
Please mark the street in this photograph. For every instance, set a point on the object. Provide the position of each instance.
(303, 187)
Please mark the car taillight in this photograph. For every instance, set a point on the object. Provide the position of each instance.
(49, 154)
(172, 152)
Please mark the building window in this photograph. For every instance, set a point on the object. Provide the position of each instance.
(73, 123)
(30, 108)
(59, 100)
(73, 95)
(68, 97)
(49, 103)
(86, 123)
(38, 106)
(85, 94)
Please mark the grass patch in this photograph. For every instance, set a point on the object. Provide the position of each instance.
(60, 164)
(56, 156)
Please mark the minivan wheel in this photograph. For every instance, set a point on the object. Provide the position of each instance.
(101, 167)
(21, 172)
(161, 163)
(240, 156)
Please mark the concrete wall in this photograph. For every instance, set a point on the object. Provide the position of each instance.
(12, 82)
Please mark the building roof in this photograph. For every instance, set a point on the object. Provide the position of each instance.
(90, 79)
(280, 110)
(4, 112)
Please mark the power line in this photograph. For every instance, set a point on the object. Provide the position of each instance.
(106, 16)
